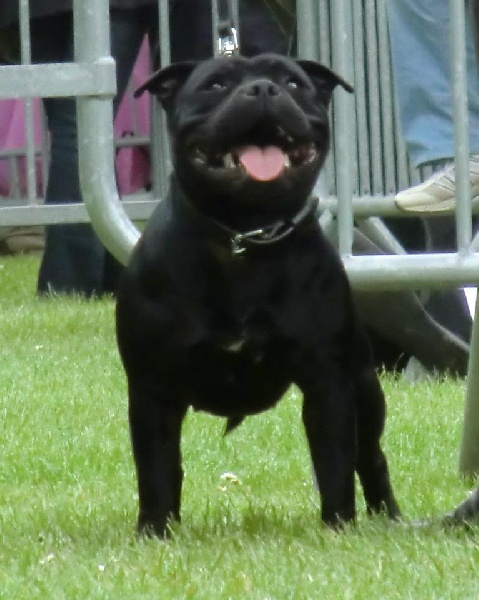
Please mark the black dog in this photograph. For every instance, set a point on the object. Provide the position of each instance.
(233, 293)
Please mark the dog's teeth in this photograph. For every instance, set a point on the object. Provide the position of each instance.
(228, 161)
(282, 133)
(312, 153)
(287, 162)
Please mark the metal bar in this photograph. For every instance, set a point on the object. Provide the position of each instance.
(363, 207)
(160, 148)
(26, 58)
(323, 41)
(383, 206)
(373, 100)
(461, 123)
(474, 6)
(361, 100)
(51, 214)
(378, 233)
(164, 45)
(95, 126)
(65, 79)
(30, 153)
(306, 24)
(469, 453)
(323, 48)
(214, 27)
(406, 175)
(396, 272)
(343, 114)
(386, 99)
(44, 152)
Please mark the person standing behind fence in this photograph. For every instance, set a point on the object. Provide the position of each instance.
(419, 31)
(74, 260)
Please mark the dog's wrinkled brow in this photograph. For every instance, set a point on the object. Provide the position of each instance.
(240, 66)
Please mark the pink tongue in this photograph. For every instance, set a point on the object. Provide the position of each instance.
(263, 164)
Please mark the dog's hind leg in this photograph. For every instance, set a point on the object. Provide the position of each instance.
(155, 425)
(372, 465)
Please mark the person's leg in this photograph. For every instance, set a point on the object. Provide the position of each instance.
(190, 30)
(74, 258)
(259, 30)
(419, 32)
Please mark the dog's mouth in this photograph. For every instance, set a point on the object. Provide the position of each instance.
(261, 162)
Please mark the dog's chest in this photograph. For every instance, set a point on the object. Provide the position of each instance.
(238, 367)
(245, 336)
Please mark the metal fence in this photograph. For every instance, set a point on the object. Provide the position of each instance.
(24, 165)
(367, 166)
(379, 167)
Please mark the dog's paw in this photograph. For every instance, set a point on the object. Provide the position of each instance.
(155, 527)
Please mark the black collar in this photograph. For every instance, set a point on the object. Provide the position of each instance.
(264, 236)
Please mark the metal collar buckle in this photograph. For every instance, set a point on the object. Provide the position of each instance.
(237, 239)
(272, 234)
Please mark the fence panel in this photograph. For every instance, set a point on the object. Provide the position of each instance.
(367, 166)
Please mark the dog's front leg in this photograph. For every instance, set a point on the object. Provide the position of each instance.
(329, 420)
(155, 418)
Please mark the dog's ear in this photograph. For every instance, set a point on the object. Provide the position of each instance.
(165, 83)
(323, 79)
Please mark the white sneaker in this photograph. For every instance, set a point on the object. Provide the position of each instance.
(438, 193)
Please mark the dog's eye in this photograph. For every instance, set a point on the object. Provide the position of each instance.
(215, 85)
(293, 84)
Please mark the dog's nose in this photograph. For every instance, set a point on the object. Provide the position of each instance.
(262, 87)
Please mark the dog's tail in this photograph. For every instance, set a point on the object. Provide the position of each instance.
(232, 423)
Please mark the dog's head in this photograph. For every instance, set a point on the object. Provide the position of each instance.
(247, 134)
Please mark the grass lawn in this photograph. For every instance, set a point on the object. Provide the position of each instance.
(68, 490)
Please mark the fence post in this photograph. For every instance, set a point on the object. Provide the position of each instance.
(95, 134)
(469, 454)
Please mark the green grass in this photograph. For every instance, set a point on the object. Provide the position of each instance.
(68, 491)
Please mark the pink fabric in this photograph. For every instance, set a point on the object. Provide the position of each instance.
(132, 164)
(12, 136)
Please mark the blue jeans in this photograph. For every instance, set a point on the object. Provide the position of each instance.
(74, 259)
(419, 33)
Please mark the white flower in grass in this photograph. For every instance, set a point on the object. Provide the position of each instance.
(228, 478)
(47, 558)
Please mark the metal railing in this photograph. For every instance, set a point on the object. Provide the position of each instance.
(23, 204)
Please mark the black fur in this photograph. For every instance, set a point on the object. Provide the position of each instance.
(214, 315)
